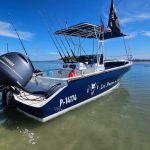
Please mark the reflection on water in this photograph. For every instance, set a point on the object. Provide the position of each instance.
(118, 121)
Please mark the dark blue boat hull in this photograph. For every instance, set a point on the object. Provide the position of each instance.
(78, 91)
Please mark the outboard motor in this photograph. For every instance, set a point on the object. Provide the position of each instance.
(16, 70)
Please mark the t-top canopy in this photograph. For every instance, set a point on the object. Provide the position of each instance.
(87, 30)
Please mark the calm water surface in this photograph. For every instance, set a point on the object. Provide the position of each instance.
(119, 120)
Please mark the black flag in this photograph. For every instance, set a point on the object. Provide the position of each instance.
(113, 23)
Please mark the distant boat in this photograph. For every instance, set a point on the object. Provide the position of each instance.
(81, 79)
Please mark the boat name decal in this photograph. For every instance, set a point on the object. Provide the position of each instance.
(96, 86)
(108, 84)
(68, 100)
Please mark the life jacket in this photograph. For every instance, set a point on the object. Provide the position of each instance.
(72, 74)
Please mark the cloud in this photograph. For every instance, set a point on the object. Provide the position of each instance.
(147, 33)
(5, 30)
(44, 57)
(131, 36)
(53, 53)
(126, 20)
(141, 56)
(140, 17)
(134, 34)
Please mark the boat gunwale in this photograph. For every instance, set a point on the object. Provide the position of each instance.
(100, 72)
(91, 74)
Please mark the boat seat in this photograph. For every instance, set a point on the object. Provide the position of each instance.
(53, 90)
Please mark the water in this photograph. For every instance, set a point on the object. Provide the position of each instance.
(117, 121)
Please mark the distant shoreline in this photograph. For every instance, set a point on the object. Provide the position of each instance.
(46, 61)
(134, 60)
(141, 60)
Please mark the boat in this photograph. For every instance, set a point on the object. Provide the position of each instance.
(81, 79)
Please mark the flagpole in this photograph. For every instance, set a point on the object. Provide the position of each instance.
(102, 29)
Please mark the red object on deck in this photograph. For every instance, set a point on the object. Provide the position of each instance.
(72, 74)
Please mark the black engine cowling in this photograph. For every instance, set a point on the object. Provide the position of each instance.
(15, 70)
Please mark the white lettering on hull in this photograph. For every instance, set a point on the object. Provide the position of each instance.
(96, 86)
(68, 100)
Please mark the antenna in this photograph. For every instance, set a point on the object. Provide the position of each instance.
(13, 26)
(7, 48)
